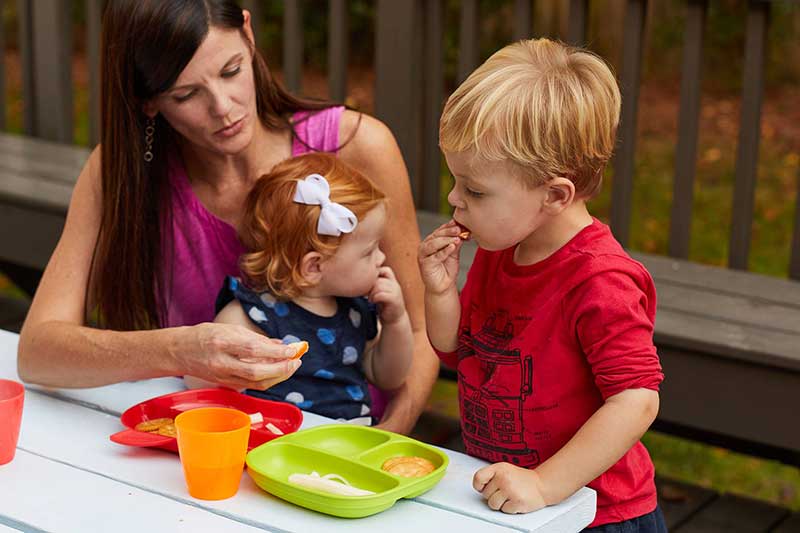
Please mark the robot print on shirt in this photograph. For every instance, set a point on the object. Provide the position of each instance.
(492, 412)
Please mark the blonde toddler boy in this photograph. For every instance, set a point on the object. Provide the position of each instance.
(552, 333)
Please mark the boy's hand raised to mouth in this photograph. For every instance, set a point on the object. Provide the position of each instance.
(438, 258)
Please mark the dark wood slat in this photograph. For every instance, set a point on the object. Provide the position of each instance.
(293, 44)
(677, 327)
(706, 277)
(31, 191)
(397, 79)
(790, 525)
(737, 404)
(38, 174)
(731, 308)
(578, 22)
(28, 236)
(25, 43)
(680, 501)
(621, 196)
(94, 13)
(749, 134)
(337, 49)
(52, 57)
(523, 19)
(688, 121)
(434, 91)
(2, 74)
(794, 262)
(734, 514)
(58, 162)
(12, 313)
(468, 39)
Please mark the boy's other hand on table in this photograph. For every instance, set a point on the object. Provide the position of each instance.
(509, 488)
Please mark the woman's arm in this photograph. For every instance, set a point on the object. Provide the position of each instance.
(374, 152)
(57, 349)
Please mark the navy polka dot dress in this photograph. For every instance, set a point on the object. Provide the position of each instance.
(331, 380)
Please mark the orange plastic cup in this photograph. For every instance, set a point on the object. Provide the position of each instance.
(212, 444)
(12, 395)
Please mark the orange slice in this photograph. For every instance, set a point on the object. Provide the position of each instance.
(302, 349)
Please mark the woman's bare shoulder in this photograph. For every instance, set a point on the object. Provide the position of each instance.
(363, 136)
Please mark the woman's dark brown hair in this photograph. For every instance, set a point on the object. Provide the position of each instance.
(145, 46)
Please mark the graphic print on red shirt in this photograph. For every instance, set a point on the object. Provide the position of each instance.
(492, 410)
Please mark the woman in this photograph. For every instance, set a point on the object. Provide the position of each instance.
(191, 117)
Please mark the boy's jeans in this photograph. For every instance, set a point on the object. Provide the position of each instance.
(649, 523)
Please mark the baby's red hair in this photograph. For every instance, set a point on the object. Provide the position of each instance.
(278, 231)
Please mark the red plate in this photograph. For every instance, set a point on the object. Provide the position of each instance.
(286, 417)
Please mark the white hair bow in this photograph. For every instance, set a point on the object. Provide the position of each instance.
(334, 219)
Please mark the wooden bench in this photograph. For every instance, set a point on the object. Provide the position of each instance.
(36, 181)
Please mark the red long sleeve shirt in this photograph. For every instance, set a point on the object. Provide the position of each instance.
(541, 346)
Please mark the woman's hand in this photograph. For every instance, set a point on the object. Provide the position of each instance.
(234, 356)
(438, 258)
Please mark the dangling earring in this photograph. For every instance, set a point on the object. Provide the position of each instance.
(149, 130)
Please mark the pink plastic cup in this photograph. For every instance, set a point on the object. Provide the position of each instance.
(12, 395)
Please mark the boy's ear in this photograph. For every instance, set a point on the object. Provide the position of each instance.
(311, 267)
(560, 195)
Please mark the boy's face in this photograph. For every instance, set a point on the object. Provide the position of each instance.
(353, 269)
(492, 202)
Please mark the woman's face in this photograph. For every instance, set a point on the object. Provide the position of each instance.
(213, 103)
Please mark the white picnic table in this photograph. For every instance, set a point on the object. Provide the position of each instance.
(68, 476)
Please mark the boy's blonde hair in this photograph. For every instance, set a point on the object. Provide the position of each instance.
(549, 108)
(278, 232)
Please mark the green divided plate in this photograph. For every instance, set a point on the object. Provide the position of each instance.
(354, 452)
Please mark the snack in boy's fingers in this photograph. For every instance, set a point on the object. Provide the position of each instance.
(152, 426)
(408, 466)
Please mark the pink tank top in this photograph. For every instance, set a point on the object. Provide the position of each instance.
(206, 249)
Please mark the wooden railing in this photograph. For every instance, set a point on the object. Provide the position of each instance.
(409, 91)
(719, 332)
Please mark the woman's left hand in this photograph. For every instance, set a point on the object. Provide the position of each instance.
(389, 295)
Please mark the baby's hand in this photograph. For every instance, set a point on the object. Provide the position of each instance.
(438, 258)
(509, 488)
(389, 295)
